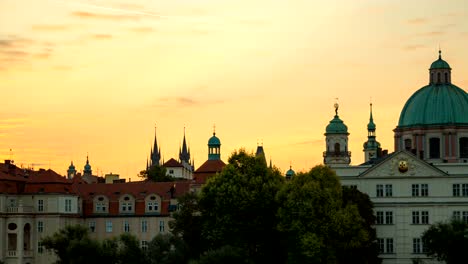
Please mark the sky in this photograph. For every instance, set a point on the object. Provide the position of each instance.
(96, 77)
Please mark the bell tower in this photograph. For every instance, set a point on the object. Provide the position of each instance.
(336, 140)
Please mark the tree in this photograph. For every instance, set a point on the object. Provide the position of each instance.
(447, 241)
(238, 208)
(73, 245)
(156, 173)
(368, 251)
(225, 255)
(167, 249)
(318, 225)
(187, 223)
(129, 250)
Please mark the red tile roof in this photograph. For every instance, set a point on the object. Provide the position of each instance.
(172, 163)
(208, 169)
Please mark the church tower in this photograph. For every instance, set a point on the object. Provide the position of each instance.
(71, 172)
(214, 147)
(184, 155)
(336, 139)
(371, 146)
(155, 156)
(87, 168)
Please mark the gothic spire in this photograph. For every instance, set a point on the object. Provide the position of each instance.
(155, 152)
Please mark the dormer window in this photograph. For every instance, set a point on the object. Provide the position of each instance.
(153, 204)
(126, 204)
(101, 204)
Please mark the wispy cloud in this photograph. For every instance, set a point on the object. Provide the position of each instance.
(417, 21)
(181, 101)
(50, 27)
(414, 47)
(93, 15)
(142, 29)
(102, 36)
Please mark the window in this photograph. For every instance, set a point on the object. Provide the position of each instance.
(379, 190)
(40, 247)
(464, 189)
(68, 205)
(380, 218)
(144, 226)
(40, 226)
(415, 190)
(109, 226)
(92, 226)
(171, 171)
(389, 245)
(465, 216)
(126, 226)
(389, 218)
(40, 205)
(425, 217)
(424, 189)
(408, 144)
(144, 245)
(161, 225)
(126, 205)
(434, 148)
(381, 245)
(446, 77)
(415, 217)
(460, 215)
(463, 146)
(337, 148)
(456, 215)
(418, 246)
(420, 189)
(152, 205)
(388, 190)
(420, 217)
(456, 189)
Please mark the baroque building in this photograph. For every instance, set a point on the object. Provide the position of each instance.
(425, 180)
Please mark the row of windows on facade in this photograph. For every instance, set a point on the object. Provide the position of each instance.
(386, 190)
(41, 208)
(109, 226)
(126, 207)
(417, 217)
(387, 246)
(434, 147)
(41, 249)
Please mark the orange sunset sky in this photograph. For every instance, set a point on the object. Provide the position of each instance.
(95, 77)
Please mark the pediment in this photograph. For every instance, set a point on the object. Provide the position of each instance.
(403, 164)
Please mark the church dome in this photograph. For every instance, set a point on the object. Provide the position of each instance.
(71, 167)
(290, 173)
(214, 140)
(336, 126)
(436, 104)
(440, 64)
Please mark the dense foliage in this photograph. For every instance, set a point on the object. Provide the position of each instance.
(447, 241)
(248, 214)
(157, 174)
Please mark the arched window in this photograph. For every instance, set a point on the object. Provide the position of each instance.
(127, 204)
(153, 204)
(408, 145)
(434, 148)
(101, 204)
(463, 146)
(432, 77)
(438, 77)
(337, 148)
(446, 77)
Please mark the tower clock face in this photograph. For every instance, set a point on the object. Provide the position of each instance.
(403, 166)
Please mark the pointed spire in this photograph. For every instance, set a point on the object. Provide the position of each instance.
(184, 153)
(440, 53)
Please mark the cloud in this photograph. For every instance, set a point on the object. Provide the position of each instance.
(431, 34)
(414, 47)
(309, 142)
(181, 101)
(15, 49)
(102, 36)
(50, 27)
(417, 21)
(91, 15)
(142, 29)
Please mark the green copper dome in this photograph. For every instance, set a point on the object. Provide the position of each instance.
(290, 173)
(436, 104)
(440, 63)
(214, 141)
(336, 126)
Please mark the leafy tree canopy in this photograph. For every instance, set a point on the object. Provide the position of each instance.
(447, 241)
(238, 207)
(157, 174)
